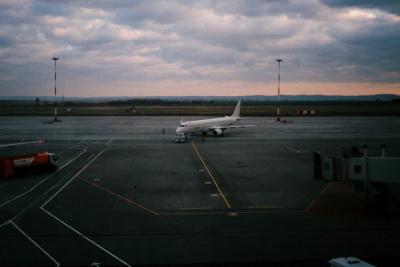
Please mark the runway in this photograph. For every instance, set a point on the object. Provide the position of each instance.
(125, 194)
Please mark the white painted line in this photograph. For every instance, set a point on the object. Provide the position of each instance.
(76, 175)
(82, 141)
(37, 199)
(109, 142)
(85, 237)
(292, 149)
(24, 143)
(69, 226)
(36, 244)
(42, 181)
(5, 223)
(71, 147)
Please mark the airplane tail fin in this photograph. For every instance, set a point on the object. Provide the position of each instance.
(236, 112)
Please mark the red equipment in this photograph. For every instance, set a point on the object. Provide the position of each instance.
(12, 165)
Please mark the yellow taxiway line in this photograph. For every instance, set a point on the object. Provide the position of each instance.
(212, 177)
(317, 197)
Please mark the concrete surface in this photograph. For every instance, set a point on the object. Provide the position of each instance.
(126, 194)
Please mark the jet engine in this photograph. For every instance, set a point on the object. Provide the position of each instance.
(218, 132)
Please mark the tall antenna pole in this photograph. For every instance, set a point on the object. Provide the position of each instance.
(279, 89)
(55, 88)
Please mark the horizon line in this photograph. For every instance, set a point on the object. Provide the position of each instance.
(142, 96)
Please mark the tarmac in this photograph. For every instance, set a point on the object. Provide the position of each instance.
(125, 194)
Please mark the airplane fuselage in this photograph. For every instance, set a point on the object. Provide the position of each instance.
(206, 125)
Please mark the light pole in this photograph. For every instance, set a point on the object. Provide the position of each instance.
(279, 89)
(55, 88)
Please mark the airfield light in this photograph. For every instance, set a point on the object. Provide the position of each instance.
(279, 89)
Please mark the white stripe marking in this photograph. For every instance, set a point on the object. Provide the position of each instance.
(23, 143)
(292, 149)
(5, 223)
(85, 237)
(42, 181)
(71, 147)
(76, 175)
(69, 226)
(109, 142)
(80, 142)
(34, 202)
(36, 244)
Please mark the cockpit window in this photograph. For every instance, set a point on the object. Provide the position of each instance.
(182, 125)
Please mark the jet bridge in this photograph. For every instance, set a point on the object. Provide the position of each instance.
(368, 173)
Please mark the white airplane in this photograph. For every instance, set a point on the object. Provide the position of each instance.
(217, 126)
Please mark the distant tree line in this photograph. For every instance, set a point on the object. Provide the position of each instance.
(156, 102)
(166, 102)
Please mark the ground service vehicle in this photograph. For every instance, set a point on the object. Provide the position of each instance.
(180, 138)
(348, 262)
(13, 165)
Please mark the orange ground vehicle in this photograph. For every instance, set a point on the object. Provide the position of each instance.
(13, 165)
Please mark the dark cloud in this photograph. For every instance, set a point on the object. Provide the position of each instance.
(54, 8)
(122, 42)
(392, 6)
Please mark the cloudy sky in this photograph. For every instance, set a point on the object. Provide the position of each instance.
(226, 47)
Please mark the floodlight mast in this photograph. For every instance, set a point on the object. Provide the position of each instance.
(55, 88)
(279, 89)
